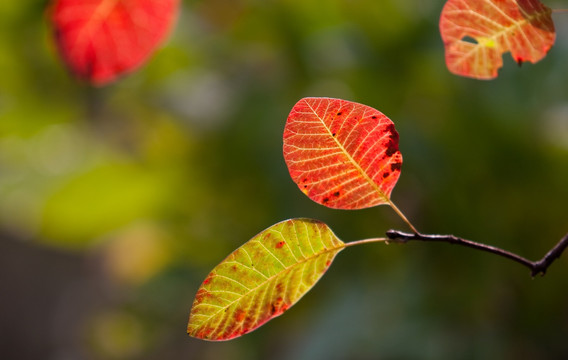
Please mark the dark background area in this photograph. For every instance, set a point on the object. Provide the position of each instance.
(116, 202)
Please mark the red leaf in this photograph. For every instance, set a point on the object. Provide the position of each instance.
(523, 27)
(102, 39)
(342, 154)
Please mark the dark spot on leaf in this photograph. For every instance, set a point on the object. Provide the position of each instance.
(280, 244)
(339, 113)
(520, 62)
(325, 200)
(392, 148)
(234, 268)
(374, 117)
(333, 134)
(278, 306)
(336, 194)
(396, 166)
(469, 39)
(385, 175)
(393, 133)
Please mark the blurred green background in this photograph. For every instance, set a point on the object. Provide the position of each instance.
(116, 202)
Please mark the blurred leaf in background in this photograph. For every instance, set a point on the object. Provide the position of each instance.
(116, 202)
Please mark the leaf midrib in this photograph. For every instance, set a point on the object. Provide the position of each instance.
(350, 158)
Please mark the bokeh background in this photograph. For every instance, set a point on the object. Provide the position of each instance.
(115, 202)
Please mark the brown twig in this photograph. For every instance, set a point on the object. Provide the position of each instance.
(536, 267)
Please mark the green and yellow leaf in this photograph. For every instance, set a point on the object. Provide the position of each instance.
(262, 279)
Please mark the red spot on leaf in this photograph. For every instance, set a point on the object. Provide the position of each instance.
(327, 263)
(204, 333)
(240, 315)
(280, 244)
(201, 294)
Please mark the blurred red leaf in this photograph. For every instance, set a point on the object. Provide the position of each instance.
(102, 39)
(477, 32)
(342, 154)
